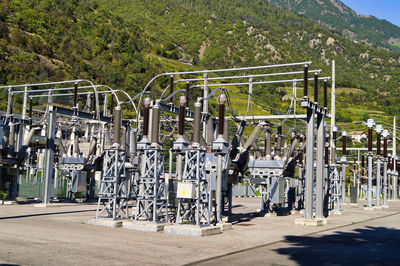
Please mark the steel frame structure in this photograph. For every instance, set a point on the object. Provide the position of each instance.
(152, 199)
(114, 187)
(196, 211)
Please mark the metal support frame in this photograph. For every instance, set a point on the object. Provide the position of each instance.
(369, 191)
(320, 176)
(197, 210)
(114, 187)
(49, 157)
(152, 196)
(309, 178)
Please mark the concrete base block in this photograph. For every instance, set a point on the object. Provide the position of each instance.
(44, 205)
(301, 211)
(105, 222)
(271, 214)
(225, 226)
(144, 226)
(354, 204)
(192, 230)
(294, 212)
(335, 212)
(369, 208)
(309, 222)
(8, 202)
(378, 207)
(385, 206)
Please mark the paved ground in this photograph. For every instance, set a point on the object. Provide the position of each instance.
(58, 235)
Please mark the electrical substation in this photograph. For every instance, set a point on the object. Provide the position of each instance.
(173, 161)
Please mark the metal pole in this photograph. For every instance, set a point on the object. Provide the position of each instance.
(218, 189)
(385, 134)
(49, 169)
(378, 131)
(309, 180)
(333, 116)
(370, 125)
(319, 179)
(394, 176)
(205, 105)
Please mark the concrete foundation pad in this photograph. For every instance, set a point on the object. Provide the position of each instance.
(301, 211)
(294, 212)
(192, 230)
(105, 222)
(309, 222)
(335, 212)
(44, 205)
(144, 226)
(354, 204)
(270, 214)
(385, 206)
(369, 208)
(378, 207)
(8, 202)
(225, 226)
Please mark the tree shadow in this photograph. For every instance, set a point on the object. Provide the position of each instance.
(365, 246)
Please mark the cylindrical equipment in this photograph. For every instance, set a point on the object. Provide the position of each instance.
(344, 140)
(305, 82)
(155, 127)
(187, 93)
(146, 114)
(196, 123)
(378, 130)
(117, 124)
(385, 135)
(267, 145)
(316, 87)
(325, 94)
(75, 96)
(181, 116)
(221, 113)
(171, 87)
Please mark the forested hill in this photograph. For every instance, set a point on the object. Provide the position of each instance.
(335, 14)
(55, 40)
(221, 33)
(124, 43)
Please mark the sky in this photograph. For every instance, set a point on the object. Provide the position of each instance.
(383, 9)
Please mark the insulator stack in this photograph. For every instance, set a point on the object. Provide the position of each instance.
(181, 118)
(171, 87)
(370, 139)
(187, 93)
(155, 128)
(75, 95)
(344, 140)
(315, 87)
(385, 136)
(112, 105)
(196, 123)
(117, 124)
(221, 114)
(305, 82)
(146, 114)
(325, 94)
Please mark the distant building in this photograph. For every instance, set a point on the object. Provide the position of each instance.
(357, 136)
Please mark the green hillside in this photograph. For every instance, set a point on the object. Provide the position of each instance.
(335, 14)
(225, 33)
(124, 43)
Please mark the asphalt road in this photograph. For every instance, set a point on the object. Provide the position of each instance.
(58, 235)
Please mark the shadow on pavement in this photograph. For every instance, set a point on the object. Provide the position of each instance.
(42, 214)
(366, 246)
